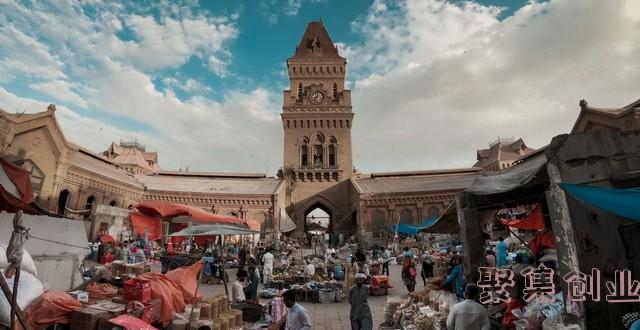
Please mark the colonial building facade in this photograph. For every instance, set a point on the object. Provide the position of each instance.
(317, 171)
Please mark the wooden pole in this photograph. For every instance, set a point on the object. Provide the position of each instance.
(14, 297)
(18, 311)
(195, 298)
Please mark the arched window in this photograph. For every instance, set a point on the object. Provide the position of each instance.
(63, 199)
(379, 224)
(299, 91)
(304, 156)
(262, 220)
(113, 203)
(35, 174)
(335, 91)
(332, 152)
(406, 216)
(318, 151)
(90, 201)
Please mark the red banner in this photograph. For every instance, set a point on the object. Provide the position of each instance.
(531, 220)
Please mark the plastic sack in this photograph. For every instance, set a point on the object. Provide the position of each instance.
(168, 291)
(187, 279)
(131, 323)
(101, 291)
(28, 265)
(29, 288)
(51, 307)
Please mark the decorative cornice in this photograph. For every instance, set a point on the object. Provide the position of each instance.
(103, 185)
(207, 200)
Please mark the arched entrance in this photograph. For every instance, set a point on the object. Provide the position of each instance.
(318, 223)
(62, 201)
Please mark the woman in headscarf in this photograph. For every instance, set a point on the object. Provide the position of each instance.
(409, 274)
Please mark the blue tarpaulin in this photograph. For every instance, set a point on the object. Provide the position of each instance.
(413, 229)
(621, 202)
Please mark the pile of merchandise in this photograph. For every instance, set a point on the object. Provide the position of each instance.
(423, 310)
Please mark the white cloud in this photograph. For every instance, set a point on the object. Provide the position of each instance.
(60, 90)
(238, 133)
(76, 128)
(190, 85)
(23, 55)
(435, 80)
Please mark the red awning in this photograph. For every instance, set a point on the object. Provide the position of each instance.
(531, 221)
(15, 189)
(170, 210)
(140, 222)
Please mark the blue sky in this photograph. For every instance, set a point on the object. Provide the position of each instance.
(432, 80)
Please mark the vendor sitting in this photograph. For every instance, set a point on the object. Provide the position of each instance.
(516, 301)
(309, 269)
(237, 289)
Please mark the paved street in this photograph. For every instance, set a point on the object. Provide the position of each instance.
(336, 315)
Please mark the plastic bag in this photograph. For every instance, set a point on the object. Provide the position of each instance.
(102, 291)
(131, 323)
(51, 307)
(28, 265)
(29, 288)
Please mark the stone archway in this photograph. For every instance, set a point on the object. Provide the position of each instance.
(318, 218)
(313, 203)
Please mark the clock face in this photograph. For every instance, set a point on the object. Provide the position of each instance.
(316, 97)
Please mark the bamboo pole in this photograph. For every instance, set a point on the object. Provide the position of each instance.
(14, 297)
(18, 311)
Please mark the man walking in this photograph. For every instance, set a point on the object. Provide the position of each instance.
(469, 314)
(267, 260)
(297, 317)
(360, 315)
(387, 258)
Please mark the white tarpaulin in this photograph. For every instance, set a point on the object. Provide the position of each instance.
(286, 224)
(56, 245)
(509, 179)
(212, 230)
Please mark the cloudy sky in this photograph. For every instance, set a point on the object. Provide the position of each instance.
(432, 81)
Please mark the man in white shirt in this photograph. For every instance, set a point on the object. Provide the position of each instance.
(469, 314)
(237, 288)
(267, 260)
(309, 269)
(297, 316)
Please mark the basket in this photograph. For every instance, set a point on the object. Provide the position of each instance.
(327, 296)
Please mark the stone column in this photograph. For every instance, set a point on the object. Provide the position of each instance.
(471, 237)
(419, 211)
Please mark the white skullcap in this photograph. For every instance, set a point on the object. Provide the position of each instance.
(361, 275)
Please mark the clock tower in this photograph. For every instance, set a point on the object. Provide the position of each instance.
(316, 113)
(317, 120)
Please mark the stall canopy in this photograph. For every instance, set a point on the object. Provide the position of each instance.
(212, 230)
(447, 223)
(530, 220)
(171, 210)
(15, 189)
(621, 202)
(413, 229)
(286, 224)
(141, 223)
(510, 179)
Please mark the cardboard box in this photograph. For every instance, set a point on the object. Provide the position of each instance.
(136, 289)
(86, 318)
(114, 309)
(156, 305)
(81, 296)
